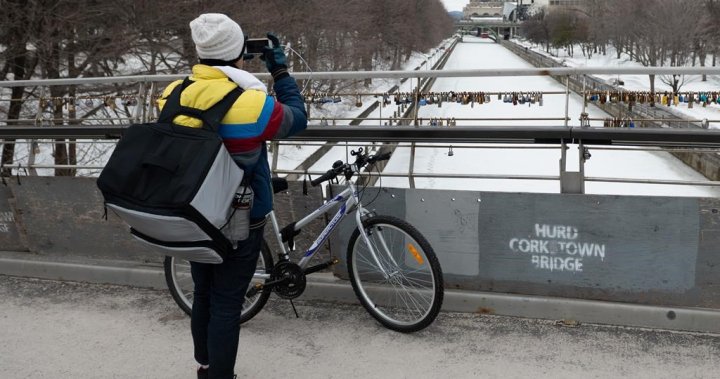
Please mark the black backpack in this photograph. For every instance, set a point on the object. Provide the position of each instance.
(173, 184)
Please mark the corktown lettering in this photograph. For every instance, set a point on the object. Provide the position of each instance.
(5, 219)
(557, 248)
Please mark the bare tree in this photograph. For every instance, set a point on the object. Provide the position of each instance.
(73, 38)
(19, 62)
(537, 29)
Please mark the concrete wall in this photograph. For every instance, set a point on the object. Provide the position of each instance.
(60, 217)
(10, 238)
(707, 164)
(644, 250)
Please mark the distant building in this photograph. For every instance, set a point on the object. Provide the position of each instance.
(510, 9)
(555, 5)
(483, 8)
(517, 10)
(533, 6)
(565, 4)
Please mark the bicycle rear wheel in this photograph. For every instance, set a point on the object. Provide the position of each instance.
(405, 291)
(179, 281)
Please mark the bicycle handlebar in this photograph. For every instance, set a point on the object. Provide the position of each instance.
(339, 167)
(331, 174)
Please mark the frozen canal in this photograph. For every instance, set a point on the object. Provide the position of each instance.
(476, 53)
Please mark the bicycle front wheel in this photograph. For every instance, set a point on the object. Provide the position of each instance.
(402, 285)
(179, 281)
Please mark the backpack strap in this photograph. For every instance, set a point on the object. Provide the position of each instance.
(172, 106)
(214, 115)
(211, 117)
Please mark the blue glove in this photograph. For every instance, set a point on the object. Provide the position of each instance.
(275, 59)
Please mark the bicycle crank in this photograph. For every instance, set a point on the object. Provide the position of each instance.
(288, 280)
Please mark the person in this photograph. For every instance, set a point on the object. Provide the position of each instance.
(253, 119)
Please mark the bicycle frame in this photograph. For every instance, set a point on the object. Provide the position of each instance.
(346, 200)
(403, 297)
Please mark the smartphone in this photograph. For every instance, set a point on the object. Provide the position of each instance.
(256, 45)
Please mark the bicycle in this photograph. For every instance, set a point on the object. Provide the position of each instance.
(393, 270)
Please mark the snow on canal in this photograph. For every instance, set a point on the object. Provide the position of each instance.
(476, 53)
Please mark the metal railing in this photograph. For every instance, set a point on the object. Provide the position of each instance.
(537, 138)
(139, 92)
(361, 75)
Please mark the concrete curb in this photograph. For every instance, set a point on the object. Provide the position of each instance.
(103, 272)
(326, 287)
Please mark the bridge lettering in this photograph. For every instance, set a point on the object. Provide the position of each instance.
(557, 248)
(7, 217)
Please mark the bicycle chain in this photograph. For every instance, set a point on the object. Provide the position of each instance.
(294, 280)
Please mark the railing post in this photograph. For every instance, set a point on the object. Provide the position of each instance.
(139, 103)
(275, 146)
(33, 142)
(416, 101)
(571, 181)
(148, 104)
(411, 170)
(584, 94)
(40, 108)
(584, 157)
(567, 100)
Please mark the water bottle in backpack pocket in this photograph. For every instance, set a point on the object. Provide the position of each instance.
(238, 225)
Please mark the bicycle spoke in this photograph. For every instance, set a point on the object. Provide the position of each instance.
(418, 281)
(410, 298)
(405, 290)
(403, 298)
(402, 293)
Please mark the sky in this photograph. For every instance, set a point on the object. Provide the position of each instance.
(455, 5)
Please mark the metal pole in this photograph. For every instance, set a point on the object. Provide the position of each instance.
(139, 103)
(416, 101)
(360, 75)
(567, 100)
(382, 104)
(584, 94)
(148, 104)
(563, 157)
(584, 156)
(411, 171)
(275, 154)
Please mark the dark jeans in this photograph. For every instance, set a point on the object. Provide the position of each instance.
(219, 294)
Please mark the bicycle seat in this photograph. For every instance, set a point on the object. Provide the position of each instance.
(279, 184)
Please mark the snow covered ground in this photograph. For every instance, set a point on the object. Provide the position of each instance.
(289, 156)
(476, 53)
(692, 83)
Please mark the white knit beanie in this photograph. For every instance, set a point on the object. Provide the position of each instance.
(216, 36)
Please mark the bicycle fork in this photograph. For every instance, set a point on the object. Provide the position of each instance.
(387, 274)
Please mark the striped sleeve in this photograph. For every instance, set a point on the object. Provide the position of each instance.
(281, 122)
(288, 116)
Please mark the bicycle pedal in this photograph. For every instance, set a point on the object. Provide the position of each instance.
(254, 290)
